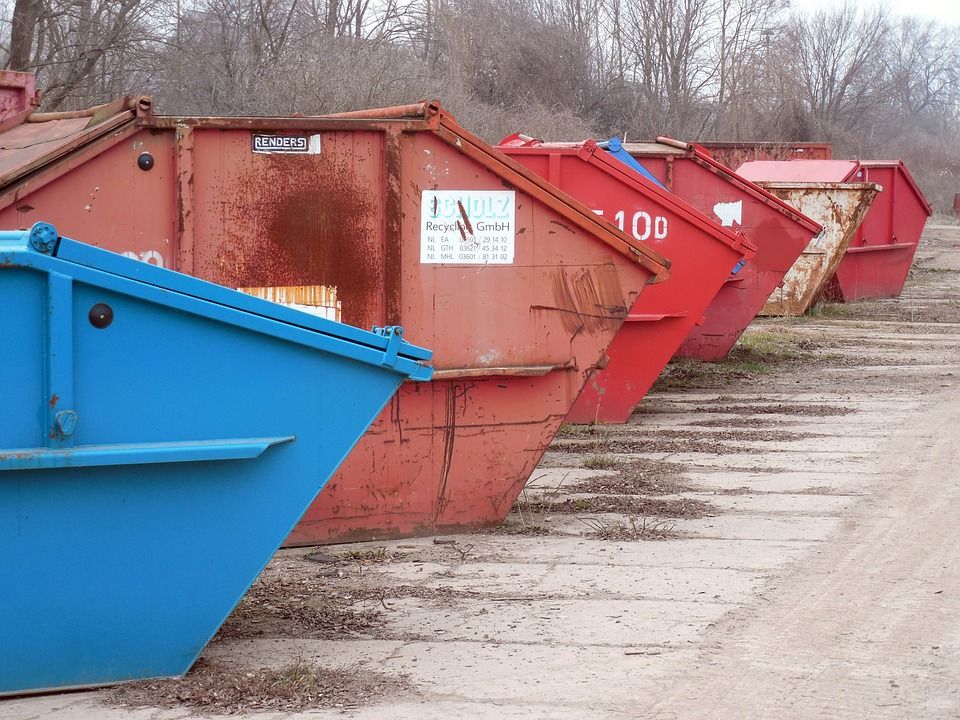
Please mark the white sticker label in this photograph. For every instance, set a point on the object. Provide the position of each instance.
(286, 144)
(468, 227)
(729, 213)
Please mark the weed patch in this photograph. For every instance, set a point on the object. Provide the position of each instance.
(599, 462)
(632, 530)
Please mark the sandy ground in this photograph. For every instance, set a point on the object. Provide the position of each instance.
(807, 509)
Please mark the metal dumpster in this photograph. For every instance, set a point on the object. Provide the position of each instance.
(386, 217)
(734, 154)
(701, 253)
(881, 252)
(160, 436)
(840, 206)
(779, 232)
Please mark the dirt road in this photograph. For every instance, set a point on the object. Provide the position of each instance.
(869, 626)
(866, 627)
(771, 537)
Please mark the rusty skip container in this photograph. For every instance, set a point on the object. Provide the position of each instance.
(734, 154)
(702, 254)
(839, 206)
(778, 231)
(371, 218)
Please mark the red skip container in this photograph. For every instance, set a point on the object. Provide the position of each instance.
(778, 231)
(879, 256)
(384, 217)
(701, 252)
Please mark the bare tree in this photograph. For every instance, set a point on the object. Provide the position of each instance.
(834, 60)
(80, 48)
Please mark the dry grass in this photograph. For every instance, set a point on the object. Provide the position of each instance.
(219, 689)
(634, 529)
(374, 556)
(758, 352)
(624, 504)
(638, 477)
(516, 525)
(642, 444)
(284, 606)
(779, 409)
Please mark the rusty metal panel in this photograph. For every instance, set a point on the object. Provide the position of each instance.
(734, 154)
(31, 141)
(346, 205)
(840, 208)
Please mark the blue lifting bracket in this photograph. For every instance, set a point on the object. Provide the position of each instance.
(394, 335)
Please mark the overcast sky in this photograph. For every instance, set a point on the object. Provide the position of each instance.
(946, 10)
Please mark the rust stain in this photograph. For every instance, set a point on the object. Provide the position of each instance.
(591, 301)
(53, 400)
(301, 222)
(839, 208)
(455, 403)
(393, 228)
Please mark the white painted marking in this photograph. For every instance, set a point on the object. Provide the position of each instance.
(729, 212)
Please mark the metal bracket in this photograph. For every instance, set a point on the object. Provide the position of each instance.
(394, 335)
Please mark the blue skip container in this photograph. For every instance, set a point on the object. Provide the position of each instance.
(159, 438)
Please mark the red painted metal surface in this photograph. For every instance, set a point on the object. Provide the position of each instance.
(339, 224)
(18, 95)
(879, 255)
(701, 253)
(779, 232)
(734, 154)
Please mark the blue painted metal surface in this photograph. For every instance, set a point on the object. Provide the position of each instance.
(159, 438)
(614, 146)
